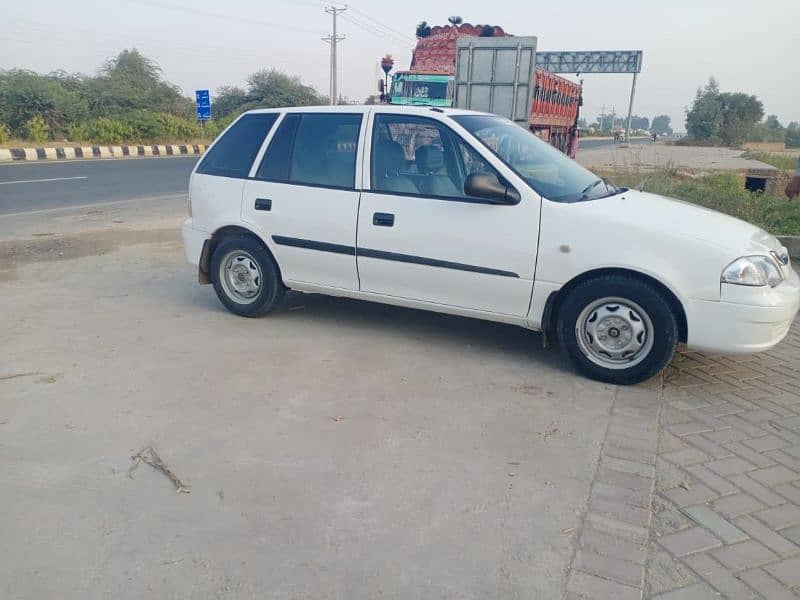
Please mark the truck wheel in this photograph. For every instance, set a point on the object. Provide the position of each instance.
(245, 277)
(617, 329)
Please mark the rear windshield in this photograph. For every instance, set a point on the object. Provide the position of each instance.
(233, 154)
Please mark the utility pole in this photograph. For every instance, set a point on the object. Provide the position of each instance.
(333, 39)
(603, 119)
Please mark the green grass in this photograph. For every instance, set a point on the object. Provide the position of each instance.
(785, 162)
(723, 192)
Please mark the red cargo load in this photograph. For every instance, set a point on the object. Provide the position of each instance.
(437, 52)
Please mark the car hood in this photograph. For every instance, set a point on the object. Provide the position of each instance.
(680, 219)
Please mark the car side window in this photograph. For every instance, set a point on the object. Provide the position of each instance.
(275, 164)
(233, 154)
(419, 156)
(313, 149)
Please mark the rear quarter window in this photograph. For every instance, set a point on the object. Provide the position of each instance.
(233, 154)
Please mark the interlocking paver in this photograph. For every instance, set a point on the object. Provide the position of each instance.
(608, 567)
(689, 541)
(766, 585)
(757, 490)
(750, 455)
(789, 491)
(592, 587)
(730, 466)
(780, 517)
(719, 484)
(720, 527)
(687, 456)
(737, 504)
(628, 454)
(765, 443)
(787, 460)
(725, 435)
(743, 425)
(613, 546)
(696, 591)
(688, 428)
(690, 495)
(786, 571)
(713, 449)
(773, 475)
(744, 555)
(628, 466)
(771, 539)
(718, 576)
(621, 494)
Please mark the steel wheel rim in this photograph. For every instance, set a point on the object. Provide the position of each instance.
(240, 275)
(614, 333)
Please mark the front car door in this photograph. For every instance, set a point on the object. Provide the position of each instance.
(302, 197)
(421, 237)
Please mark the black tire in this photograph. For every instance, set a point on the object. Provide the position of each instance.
(257, 265)
(585, 352)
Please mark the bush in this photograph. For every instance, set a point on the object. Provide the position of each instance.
(5, 133)
(108, 131)
(36, 129)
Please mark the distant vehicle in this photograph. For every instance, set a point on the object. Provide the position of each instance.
(457, 66)
(421, 89)
(466, 213)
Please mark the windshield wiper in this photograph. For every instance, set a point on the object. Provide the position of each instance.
(593, 185)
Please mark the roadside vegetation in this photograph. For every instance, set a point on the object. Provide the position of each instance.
(723, 192)
(718, 118)
(128, 101)
(783, 161)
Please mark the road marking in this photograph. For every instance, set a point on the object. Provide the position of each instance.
(41, 180)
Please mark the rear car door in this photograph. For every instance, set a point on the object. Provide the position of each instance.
(420, 236)
(302, 197)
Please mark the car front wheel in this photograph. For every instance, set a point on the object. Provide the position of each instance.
(617, 329)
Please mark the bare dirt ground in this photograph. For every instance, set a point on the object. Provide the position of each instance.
(334, 449)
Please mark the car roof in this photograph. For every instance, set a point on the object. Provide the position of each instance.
(383, 108)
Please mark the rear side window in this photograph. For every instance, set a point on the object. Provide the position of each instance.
(234, 153)
(314, 149)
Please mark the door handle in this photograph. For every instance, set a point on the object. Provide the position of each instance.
(263, 204)
(383, 219)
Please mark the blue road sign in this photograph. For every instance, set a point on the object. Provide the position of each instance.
(203, 100)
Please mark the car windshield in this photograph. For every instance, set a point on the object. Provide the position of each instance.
(548, 171)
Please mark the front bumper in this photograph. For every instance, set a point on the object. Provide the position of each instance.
(745, 319)
(193, 240)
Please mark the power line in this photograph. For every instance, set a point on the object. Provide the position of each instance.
(400, 34)
(383, 35)
(227, 17)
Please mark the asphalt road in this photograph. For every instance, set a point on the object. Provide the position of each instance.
(39, 186)
(26, 187)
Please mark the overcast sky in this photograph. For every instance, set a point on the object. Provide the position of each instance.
(749, 46)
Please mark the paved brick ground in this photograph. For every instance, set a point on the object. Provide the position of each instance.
(697, 494)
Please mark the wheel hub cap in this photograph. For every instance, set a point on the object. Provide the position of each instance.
(614, 333)
(241, 276)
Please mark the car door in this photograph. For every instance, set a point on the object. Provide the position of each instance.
(302, 197)
(420, 236)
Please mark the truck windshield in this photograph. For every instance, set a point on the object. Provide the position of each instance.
(551, 173)
(424, 90)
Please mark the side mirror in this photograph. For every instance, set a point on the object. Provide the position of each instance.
(488, 187)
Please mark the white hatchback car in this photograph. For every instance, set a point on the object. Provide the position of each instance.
(469, 214)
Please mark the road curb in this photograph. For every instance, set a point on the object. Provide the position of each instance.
(99, 152)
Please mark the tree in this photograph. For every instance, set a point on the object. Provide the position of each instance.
(268, 88)
(661, 126)
(638, 122)
(724, 117)
(371, 99)
(704, 118)
(741, 114)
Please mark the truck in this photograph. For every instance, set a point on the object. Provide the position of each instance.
(483, 68)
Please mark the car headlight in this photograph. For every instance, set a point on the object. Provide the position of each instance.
(755, 271)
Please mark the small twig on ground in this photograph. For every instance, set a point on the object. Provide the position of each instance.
(151, 457)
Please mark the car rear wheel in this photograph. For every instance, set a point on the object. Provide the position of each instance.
(617, 329)
(245, 277)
